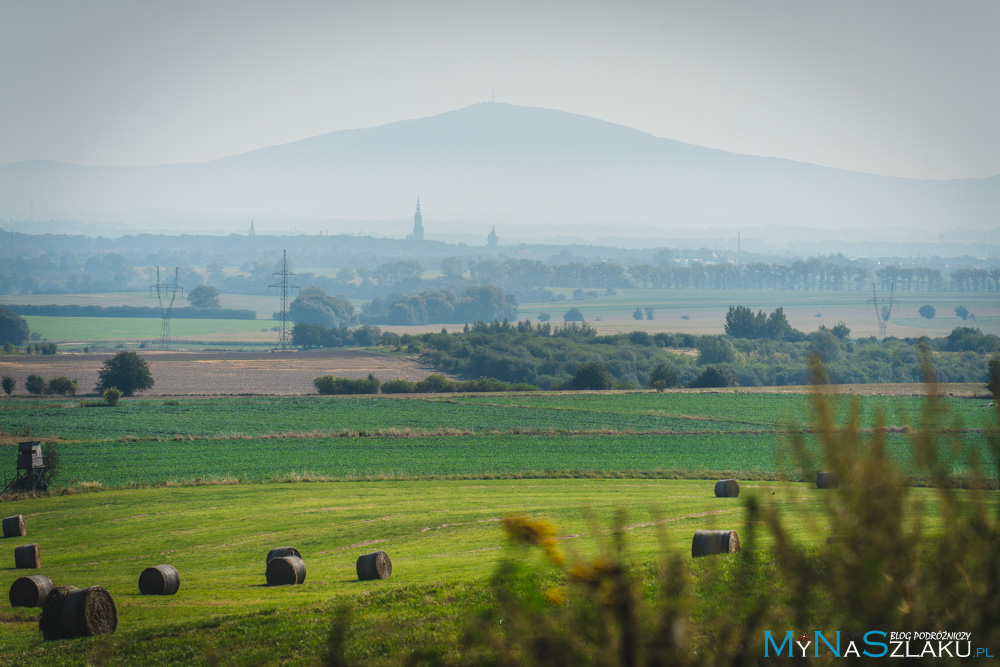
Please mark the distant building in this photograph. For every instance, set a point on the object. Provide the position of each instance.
(493, 239)
(252, 232)
(418, 225)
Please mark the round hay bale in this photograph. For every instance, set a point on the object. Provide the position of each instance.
(159, 580)
(51, 620)
(27, 556)
(278, 552)
(13, 526)
(827, 480)
(30, 591)
(727, 488)
(375, 565)
(89, 611)
(285, 571)
(710, 542)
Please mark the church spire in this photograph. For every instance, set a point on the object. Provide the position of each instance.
(418, 224)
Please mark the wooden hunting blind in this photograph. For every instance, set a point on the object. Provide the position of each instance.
(29, 455)
(30, 468)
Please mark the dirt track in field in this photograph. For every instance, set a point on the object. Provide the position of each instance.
(222, 373)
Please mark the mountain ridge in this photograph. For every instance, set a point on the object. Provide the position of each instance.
(511, 164)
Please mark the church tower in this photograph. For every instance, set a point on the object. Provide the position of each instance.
(418, 224)
(493, 239)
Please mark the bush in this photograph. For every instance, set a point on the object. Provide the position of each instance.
(592, 375)
(127, 371)
(34, 384)
(715, 376)
(13, 328)
(8, 383)
(399, 387)
(661, 377)
(60, 385)
(329, 385)
(111, 395)
(435, 383)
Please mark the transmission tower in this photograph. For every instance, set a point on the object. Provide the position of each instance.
(284, 339)
(165, 291)
(883, 309)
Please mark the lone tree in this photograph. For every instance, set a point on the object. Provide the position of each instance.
(573, 315)
(127, 371)
(661, 377)
(962, 312)
(13, 328)
(927, 311)
(204, 296)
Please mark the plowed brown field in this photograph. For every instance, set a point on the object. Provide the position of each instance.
(186, 373)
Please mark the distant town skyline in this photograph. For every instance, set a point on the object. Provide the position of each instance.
(896, 87)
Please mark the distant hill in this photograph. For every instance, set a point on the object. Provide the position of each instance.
(502, 163)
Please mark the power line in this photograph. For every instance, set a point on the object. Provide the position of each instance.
(284, 339)
(163, 291)
(883, 309)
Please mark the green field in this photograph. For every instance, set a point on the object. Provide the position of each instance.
(146, 441)
(86, 329)
(443, 537)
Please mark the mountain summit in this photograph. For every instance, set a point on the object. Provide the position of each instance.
(501, 163)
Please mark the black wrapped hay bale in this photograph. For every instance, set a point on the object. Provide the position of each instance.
(30, 591)
(285, 571)
(827, 480)
(727, 488)
(13, 526)
(278, 552)
(375, 565)
(51, 620)
(78, 612)
(710, 542)
(27, 556)
(159, 580)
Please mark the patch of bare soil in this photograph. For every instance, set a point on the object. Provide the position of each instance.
(224, 373)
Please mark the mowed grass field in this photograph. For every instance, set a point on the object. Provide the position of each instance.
(152, 441)
(210, 485)
(444, 538)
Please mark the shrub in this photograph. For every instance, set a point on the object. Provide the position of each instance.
(8, 383)
(715, 376)
(60, 385)
(661, 377)
(127, 371)
(34, 384)
(111, 395)
(328, 385)
(592, 375)
(13, 328)
(398, 387)
(435, 383)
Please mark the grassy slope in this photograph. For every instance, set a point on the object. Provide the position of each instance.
(444, 539)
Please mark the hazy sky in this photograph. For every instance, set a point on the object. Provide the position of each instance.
(900, 87)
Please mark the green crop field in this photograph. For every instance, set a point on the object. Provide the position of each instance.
(444, 539)
(149, 441)
(85, 329)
